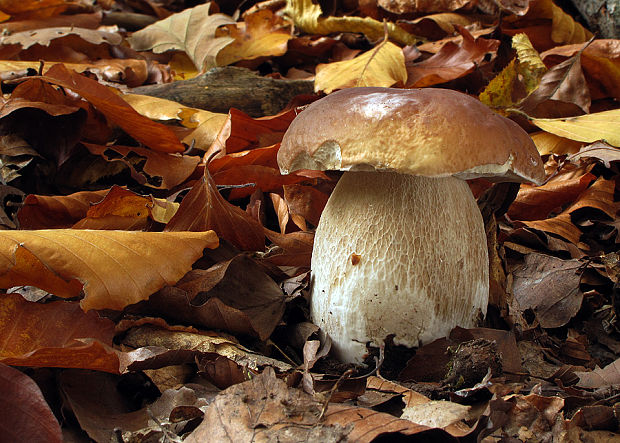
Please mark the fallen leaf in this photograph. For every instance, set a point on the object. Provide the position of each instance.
(98, 404)
(550, 287)
(44, 36)
(159, 170)
(451, 62)
(588, 128)
(382, 66)
(34, 8)
(54, 212)
(191, 31)
(308, 18)
(57, 334)
(562, 83)
(217, 299)
(421, 6)
(547, 143)
(117, 268)
(25, 413)
(261, 34)
(152, 134)
(599, 378)
(598, 150)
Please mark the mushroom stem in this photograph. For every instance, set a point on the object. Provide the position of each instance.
(399, 255)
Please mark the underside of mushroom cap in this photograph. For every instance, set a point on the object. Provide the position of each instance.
(428, 132)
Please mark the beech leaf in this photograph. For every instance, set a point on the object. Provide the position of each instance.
(589, 128)
(116, 268)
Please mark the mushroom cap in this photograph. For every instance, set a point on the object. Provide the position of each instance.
(428, 132)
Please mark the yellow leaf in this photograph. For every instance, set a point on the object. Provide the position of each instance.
(548, 143)
(307, 17)
(531, 66)
(382, 66)
(564, 30)
(116, 268)
(526, 69)
(585, 128)
(261, 34)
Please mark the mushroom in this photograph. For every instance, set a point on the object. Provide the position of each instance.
(400, 249)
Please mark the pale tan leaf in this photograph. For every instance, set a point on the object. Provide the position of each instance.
(585, 128)
(44, 36)
(191, 31)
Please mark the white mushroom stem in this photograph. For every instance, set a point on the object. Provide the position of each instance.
(400, 255)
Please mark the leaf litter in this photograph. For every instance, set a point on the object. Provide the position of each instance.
(108, 200)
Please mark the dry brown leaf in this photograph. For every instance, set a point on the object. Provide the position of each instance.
(548, 143)
(307, 16)
(34, 8)
(98, 404)
(26, 415)
(44, 36)
(537, 202)
(600, 151)
(117, 268)
(600, 62)
(421, 6)
(204, 208)
(382, 66)
(159, 170)
(217, 298)
(154, 135)
(260, 34)
(550, 287)
(191, 31)
(451, 62)
(599, 378)
(57, 334)
(54, 212)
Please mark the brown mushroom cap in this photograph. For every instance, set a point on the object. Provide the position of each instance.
(428, 132)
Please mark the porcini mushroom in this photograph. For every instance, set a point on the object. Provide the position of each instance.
(400, 249)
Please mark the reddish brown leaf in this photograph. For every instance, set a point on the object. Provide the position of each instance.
(204, 208)
(48, 212)
(296, 248)
(537, 202)
(57, 334)
(306, 201)
(158, 170)
(154, 135)
(451, 62)
(24, 411)
(120, 209)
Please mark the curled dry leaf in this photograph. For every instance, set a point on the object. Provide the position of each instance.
(157, 347)
(548, 143)
(600, 151)
(159, 170)
(26, 415)
(550, 287)
(307, 16)
(421, 6)
(99, 406)
(382, 66)
(57, 334)
(217, 298)
(116, 268)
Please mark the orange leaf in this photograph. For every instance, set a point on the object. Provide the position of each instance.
(56, 334)
(154, 135)
(451, 62)
(117, 268)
